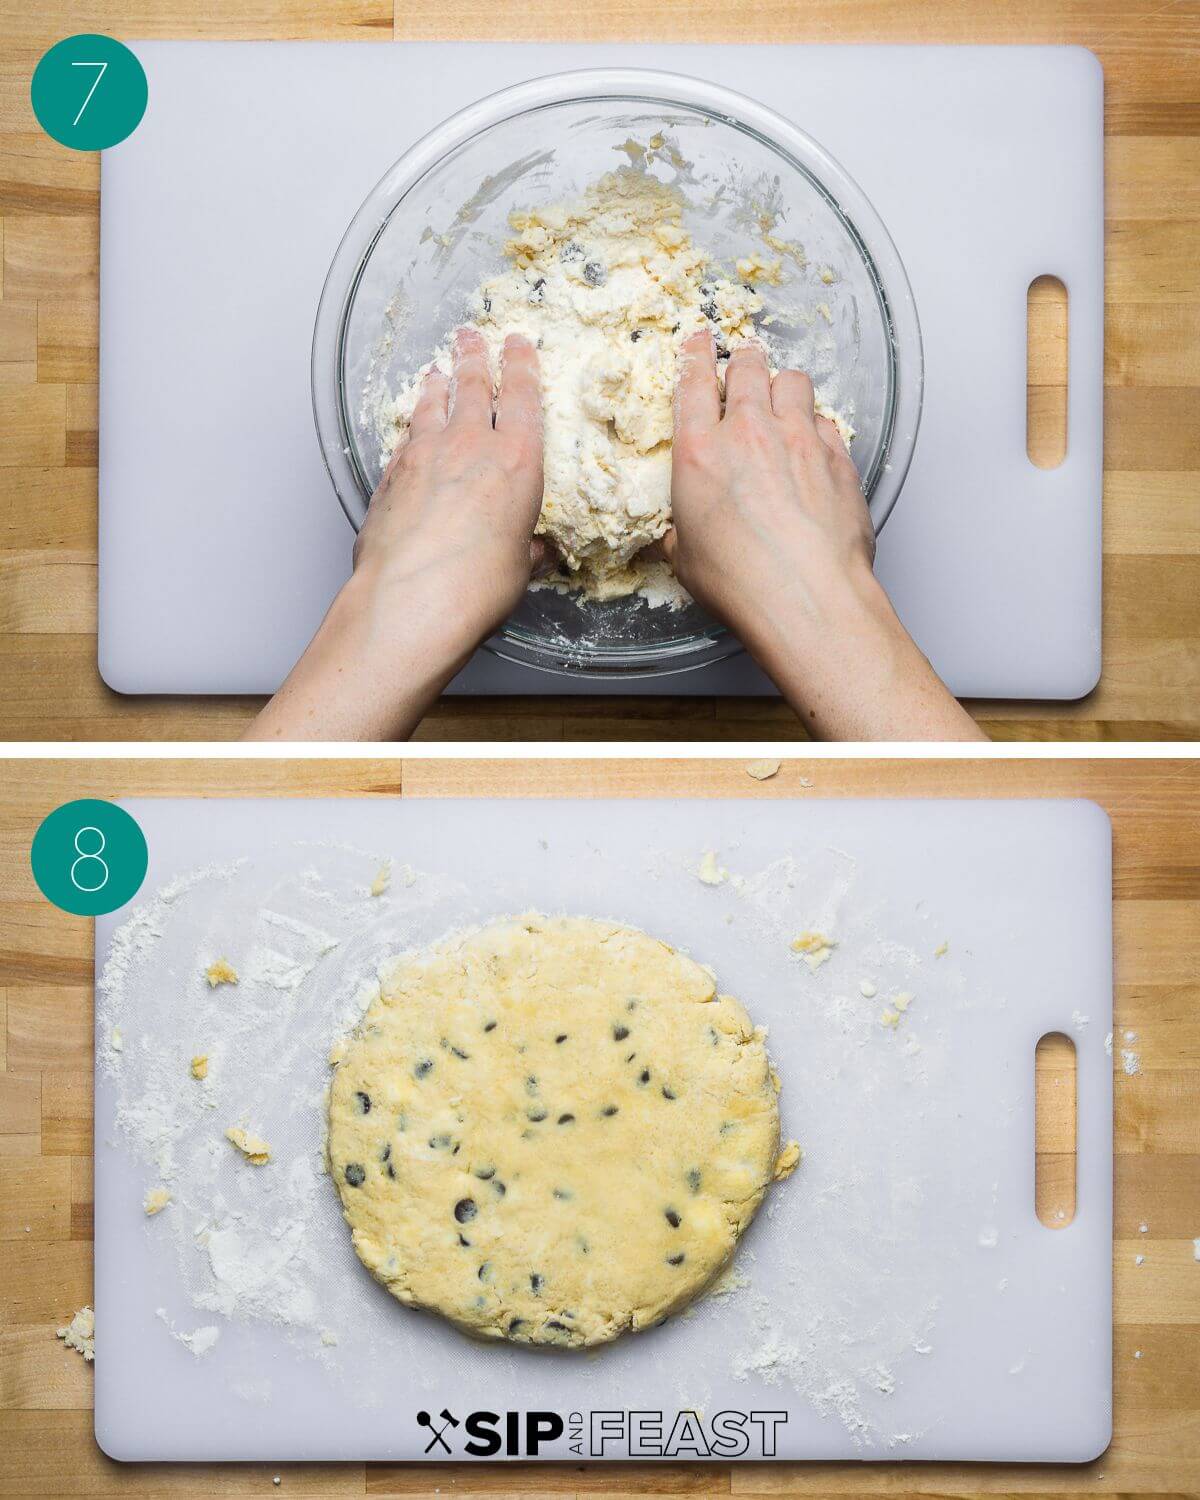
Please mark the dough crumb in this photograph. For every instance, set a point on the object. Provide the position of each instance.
(815, 948)
(902, 1001)
(763, 770)
(199, 1069)
(867, 990)
(787, 1161)
(827, 275)
(757, 267)
(221, 971)
(382, 880)
(155, 1201)
(710, 872)
(80, 1334)
(890, 1018)
(941, 950)
(115, 1040)
(328, 1337)
(252, 1148)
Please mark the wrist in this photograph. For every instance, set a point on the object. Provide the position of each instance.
(809, 610)
(428, 607)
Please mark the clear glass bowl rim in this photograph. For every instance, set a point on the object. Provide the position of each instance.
(666, 90)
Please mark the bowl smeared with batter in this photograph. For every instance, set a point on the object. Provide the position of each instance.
(434, 231)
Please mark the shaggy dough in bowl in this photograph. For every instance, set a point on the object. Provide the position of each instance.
(552, 1130)
(607, 286)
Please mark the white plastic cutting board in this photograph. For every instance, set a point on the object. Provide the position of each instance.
(221, 541)
(911, 1220)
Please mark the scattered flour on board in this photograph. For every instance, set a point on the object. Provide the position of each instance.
(199, 1341)
(268, 1246)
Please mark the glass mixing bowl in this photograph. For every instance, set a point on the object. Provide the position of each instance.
(435, 226)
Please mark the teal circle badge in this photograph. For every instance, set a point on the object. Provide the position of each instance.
(89, 857)
(89, 92)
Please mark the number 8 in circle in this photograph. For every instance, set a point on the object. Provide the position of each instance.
(89, 856)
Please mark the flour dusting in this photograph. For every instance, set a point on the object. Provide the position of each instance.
(824, 1301)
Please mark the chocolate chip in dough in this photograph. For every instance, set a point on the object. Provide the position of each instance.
(594, 273)
(672, 1218)
(676, 1260)
(620, 1033)
(423, 1068)
(465, 1210)
(364, 1102)
(565, 1119)
(355, 1175)
(609, 1110)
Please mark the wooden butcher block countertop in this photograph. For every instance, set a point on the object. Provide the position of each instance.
(49, 210)
(46, 1444)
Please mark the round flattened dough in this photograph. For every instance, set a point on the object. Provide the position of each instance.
(552, 1130)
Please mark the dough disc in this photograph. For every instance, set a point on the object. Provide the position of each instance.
(552, 1130)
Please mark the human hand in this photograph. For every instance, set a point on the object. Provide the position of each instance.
(456, 507)
(443, 557)
(767, 504)
(772, 535)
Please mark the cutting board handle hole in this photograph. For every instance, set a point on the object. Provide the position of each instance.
(1055, 1129)
(1046, 372)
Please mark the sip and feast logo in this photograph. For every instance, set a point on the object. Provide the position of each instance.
(603, 1434)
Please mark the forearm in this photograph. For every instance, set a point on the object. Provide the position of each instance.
(849, 668)
(375, 665)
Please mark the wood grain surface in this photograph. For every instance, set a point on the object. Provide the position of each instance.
(46, 1445)
(49, 199)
